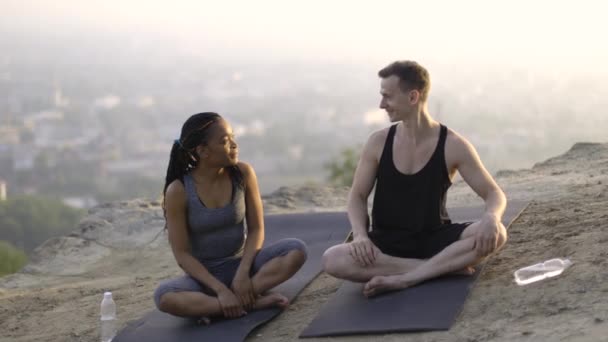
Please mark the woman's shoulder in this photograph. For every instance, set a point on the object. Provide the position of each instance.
(245, 168)
(176, 190)
(244, 173)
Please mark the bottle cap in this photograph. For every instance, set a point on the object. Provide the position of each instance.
(107, 295)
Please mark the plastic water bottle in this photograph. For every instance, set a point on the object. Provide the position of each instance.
(540, 271)
(108, 318)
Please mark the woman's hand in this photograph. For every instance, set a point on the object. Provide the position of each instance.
(231, 307)
(243, 289)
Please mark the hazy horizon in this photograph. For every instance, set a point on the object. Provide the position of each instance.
(523, 81)
(539, 34)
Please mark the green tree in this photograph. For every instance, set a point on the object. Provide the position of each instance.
(342, 168)
(132, 186)
(11, 258)
(27, 221)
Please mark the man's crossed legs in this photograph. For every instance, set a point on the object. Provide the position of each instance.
(389, 272)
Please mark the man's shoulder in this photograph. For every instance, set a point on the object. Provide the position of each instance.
(375, 143)
(458, 148)
(456, 140)
(378, 136)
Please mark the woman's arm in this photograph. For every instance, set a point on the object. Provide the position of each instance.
(175, 205)
(254, 212)
(254, 216)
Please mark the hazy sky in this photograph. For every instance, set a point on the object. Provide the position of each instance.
(538, 32)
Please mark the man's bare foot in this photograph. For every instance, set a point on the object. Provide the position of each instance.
(204, 321)
(271, 300)
(381, 284)
(469, 270)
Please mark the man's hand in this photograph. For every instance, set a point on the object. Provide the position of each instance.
(230, 304)
(486, 239)
(363, 250)
(243, 289)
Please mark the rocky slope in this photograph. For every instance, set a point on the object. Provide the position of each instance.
(123, 247)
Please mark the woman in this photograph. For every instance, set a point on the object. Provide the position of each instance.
(208, 195)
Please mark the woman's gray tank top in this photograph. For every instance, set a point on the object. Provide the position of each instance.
(216, 234)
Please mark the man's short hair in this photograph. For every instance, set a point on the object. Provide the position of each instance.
(411, 76)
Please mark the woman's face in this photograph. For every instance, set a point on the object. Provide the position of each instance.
(221, 149)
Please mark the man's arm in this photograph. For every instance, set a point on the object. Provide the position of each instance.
(470, 167)
(362, 249)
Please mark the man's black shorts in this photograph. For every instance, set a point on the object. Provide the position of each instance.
(417, 246)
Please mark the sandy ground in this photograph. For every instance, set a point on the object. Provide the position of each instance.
(57, 296)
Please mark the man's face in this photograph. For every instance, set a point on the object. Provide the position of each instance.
(397, 103)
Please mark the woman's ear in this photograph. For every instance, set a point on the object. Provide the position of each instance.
(201, 152)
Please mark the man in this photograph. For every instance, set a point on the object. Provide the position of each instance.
(412, 164)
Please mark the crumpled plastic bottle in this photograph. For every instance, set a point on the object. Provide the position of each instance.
(540, 271)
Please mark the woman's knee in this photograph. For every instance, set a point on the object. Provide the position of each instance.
(165, 296)
(166, 302)
(296, 244)
(291, 252)
(296, 258)
(297, 248)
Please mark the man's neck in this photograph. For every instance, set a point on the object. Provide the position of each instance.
(418, 126)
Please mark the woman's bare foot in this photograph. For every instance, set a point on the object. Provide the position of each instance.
(271, 300)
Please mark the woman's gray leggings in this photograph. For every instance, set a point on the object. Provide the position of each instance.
(225, 270)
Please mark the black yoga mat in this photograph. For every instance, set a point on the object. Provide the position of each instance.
(432, 305)
(319, 230)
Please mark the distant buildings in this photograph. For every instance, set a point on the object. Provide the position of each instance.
(80, 202)
(2, 190)
(9, 135)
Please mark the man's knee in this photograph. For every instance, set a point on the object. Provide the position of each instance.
(333, 260)
(501, 240)
(502, 237)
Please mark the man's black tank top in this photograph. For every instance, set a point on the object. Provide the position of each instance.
(411, 203)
